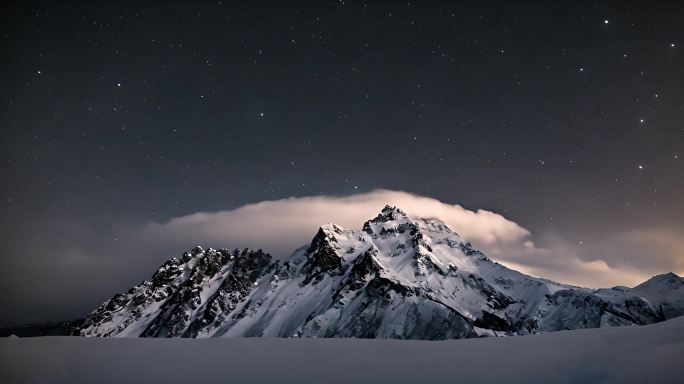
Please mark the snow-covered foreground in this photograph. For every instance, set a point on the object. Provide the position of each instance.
(648, 354)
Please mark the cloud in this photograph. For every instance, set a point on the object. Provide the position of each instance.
(280, 226)
(563, 263)
(72, 276)
(648, 250)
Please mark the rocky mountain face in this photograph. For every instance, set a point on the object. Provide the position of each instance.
(396, 278)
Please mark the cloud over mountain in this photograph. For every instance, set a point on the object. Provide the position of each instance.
(279, 226)
(282, 225)
(90, 263)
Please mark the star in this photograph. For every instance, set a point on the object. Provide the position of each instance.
(39, 72)
(118, 84)
(640, 167)
(672, 45)
(261, 114)
(605, 21)
(581, 69)
(641, 121)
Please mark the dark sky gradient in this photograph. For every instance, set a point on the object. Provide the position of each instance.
(122, 112)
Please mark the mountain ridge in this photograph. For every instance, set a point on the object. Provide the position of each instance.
(398, 277)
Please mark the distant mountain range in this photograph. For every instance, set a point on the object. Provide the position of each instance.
(399, 277)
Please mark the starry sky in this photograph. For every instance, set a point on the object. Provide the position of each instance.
(565, 117)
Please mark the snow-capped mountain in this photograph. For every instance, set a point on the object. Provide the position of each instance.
(665, 292)
(398, 277)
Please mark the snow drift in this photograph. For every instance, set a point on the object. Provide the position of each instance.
(648, 354)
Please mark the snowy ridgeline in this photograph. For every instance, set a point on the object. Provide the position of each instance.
(399, 277)
(649, 354)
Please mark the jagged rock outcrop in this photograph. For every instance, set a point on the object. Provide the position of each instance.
(398, 277)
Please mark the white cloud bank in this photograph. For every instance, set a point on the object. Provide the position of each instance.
(72, 276)
(280, 226)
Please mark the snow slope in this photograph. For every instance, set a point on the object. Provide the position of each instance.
(399, 277)
(648, 354)
(665, 292)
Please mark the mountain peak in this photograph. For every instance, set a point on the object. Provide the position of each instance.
(400, 277)
(390, 213)
(389, 219)
(665, 278)
(330, 228)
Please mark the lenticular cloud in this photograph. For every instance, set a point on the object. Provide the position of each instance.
(280, 226)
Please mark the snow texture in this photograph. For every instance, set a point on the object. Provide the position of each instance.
(648, 354)
(399, 277)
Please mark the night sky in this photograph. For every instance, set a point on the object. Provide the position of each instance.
(565, 117)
